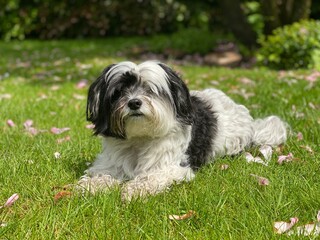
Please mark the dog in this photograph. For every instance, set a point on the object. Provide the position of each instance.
(155, 132)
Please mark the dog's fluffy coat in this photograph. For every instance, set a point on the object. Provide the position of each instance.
(155, 132)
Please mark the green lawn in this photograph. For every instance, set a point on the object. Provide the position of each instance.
(38, 81)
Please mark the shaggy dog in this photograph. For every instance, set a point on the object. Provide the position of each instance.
(156, 132)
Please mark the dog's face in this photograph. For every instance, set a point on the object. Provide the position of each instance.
(145, 100)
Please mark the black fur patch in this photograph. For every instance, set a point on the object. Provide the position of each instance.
(102, 99)
(180, 95)
(204, 129)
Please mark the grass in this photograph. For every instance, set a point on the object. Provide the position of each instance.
(229, 204)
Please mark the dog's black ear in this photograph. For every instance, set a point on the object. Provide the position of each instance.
(96, 112)
(180, 96)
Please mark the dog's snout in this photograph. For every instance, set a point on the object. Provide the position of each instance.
(134, 104)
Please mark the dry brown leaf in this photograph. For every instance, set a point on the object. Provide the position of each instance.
(187, 215)
(61, 194)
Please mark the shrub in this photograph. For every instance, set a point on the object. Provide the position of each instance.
(292, 46)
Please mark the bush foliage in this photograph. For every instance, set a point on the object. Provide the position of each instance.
(92, 18)
(292, 46)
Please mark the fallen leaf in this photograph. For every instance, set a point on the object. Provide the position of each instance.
(54, 87)
(5, 96)
(285, 158)
(312, 78)
(224, 167)
(57, 155)
(266, 152)
(247, 81)
(309, 149)
(3, 224)
(250, 158)
(82, 84)
(282, 227)
(307, 230)
(187, 215)
(11, 200)
(61, 140)
(90, 126)
(61, 194)
(312, 229)
(261, 180)
(28, 123)
(299, 136)
(55, 130)
(79, 97)
(10, 123)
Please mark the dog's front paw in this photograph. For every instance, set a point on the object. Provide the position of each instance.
(96, 184)
(134, 189)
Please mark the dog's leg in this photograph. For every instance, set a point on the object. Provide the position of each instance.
(97, 183)
(155, 182)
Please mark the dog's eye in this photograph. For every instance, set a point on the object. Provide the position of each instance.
(116, 95)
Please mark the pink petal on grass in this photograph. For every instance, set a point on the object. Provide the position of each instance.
(261, 180)
(250, 158)
(310, 229)
(266, 151)
(90, 126)
(282, 227)
(10, 123)
(82, 84)
(55, 130)
(285, 158)
(308, 148)
(299, 136)
(32, 131)
(28, 123)
(61, 140)
(11, 200)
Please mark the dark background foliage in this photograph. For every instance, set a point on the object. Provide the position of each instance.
(181, 23)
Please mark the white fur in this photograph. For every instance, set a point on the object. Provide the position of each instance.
(149, 160)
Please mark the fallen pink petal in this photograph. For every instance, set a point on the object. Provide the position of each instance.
(55, 130)
(311, 229)
(11, 200)
(266, 151)
(250, 158)
(299, 136)
(308, 148)
(262, 181)
(10, 123)
(313, 77)
(61, 140)
(32, 131)
(90, 126)
(285, 158)
(82, 84)
(28, 123)
(282, 227)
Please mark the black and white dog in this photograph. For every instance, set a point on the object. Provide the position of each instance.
(155, 132)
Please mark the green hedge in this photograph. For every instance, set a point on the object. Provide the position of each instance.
(292, 46)
(49, 19)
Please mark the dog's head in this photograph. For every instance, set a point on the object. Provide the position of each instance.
(129, 100)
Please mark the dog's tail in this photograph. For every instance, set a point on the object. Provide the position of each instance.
(269, 131)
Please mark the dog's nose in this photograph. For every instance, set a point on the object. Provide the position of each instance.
(134, 104)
